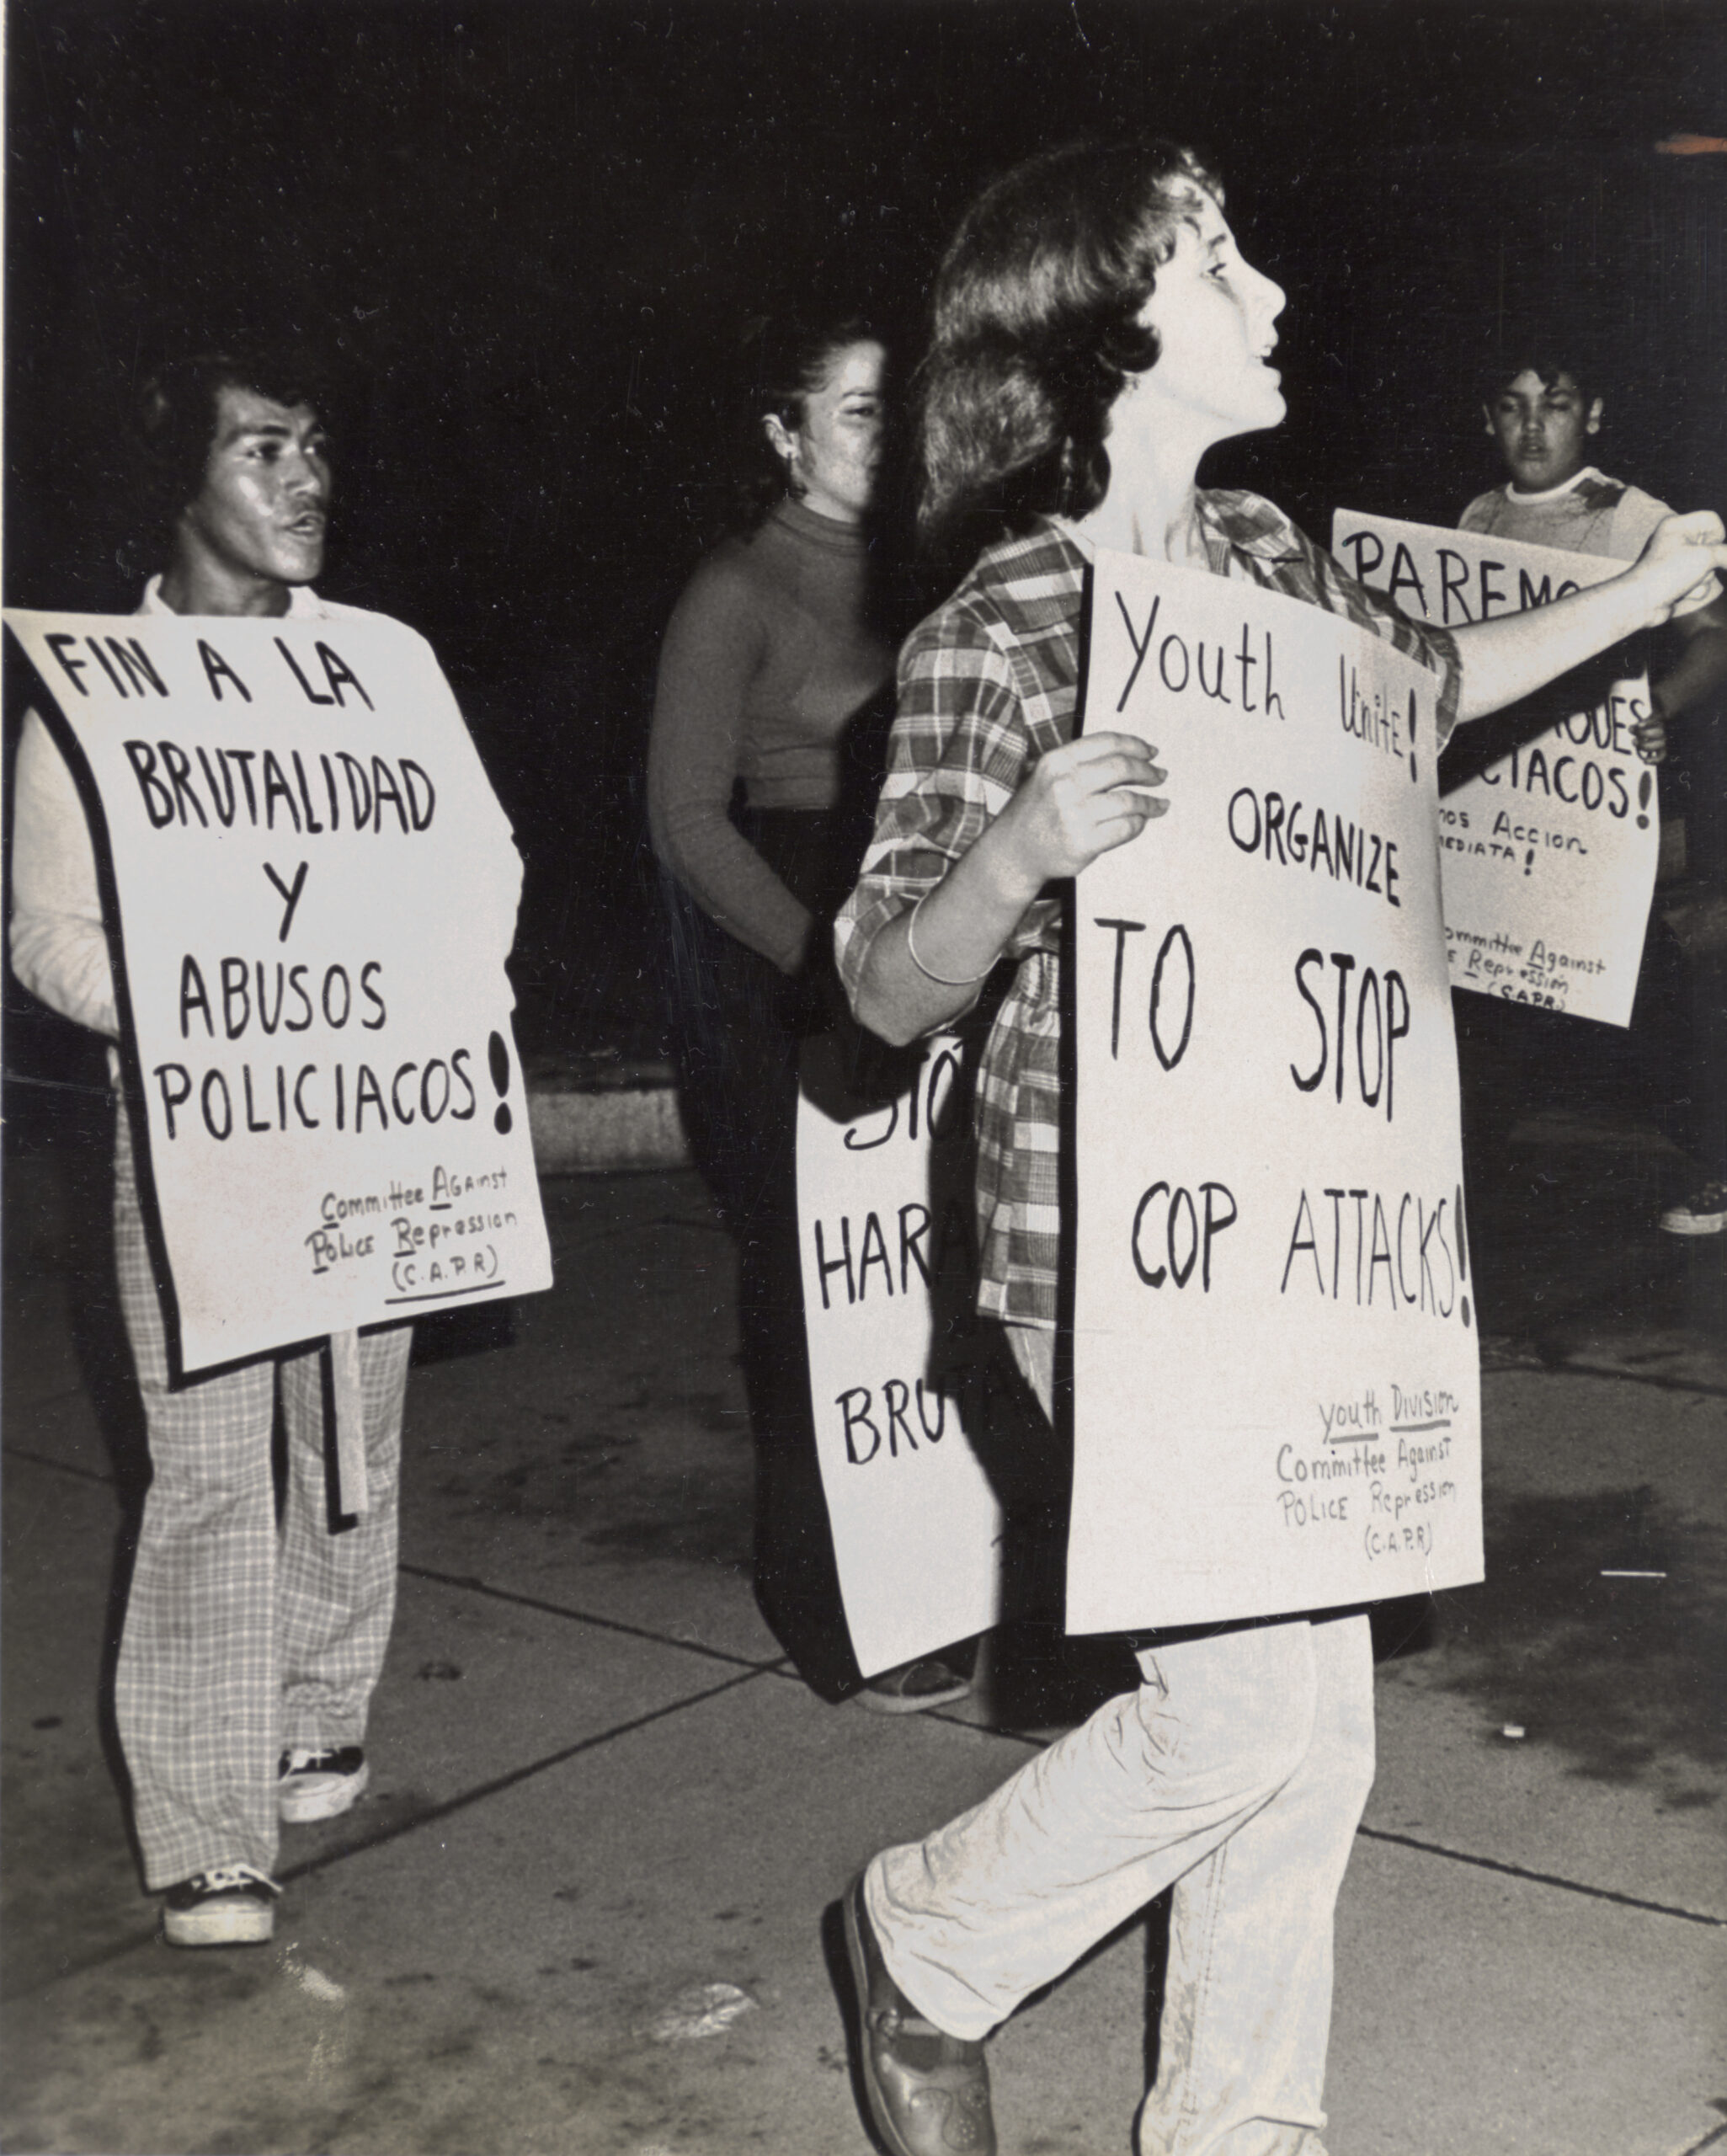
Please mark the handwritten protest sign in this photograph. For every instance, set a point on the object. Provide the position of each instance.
(315, 892)
(1276, 1385)
(1549, 850)
(884, 1214)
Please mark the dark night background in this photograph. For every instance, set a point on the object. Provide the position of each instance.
(537, 234)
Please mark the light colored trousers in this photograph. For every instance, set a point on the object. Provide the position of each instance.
(241, 1639)
(1238, 1772)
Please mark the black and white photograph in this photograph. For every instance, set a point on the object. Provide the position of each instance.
(865, 1078)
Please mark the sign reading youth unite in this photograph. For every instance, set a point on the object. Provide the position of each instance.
(1275, 1377)
(315, 893)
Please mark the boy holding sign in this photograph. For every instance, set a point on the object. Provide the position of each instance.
(1096, 331)
(248, 1655)
(1544, 416)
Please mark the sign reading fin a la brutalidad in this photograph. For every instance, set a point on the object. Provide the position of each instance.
(1549, 854)
(312, 895)
(1276, 1389)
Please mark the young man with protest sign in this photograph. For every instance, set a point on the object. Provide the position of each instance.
(1543, 417)
(1096, 331)
(248, 1655)
(1543, 412)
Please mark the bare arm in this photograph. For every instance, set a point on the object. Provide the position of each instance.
(1510, 657)
(1076, 802)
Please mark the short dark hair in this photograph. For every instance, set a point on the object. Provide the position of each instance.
(1037, 329)
(787, 358)
(177, 413)
(1542, 363)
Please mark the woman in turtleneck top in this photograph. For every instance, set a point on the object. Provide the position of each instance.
(774, 694)
(767, 658)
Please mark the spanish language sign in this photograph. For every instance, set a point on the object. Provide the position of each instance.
(315, 892)
(1550, 849)
(884, 1203)
(1276, 1387)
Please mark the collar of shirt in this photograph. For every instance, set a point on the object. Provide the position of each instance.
(1231, 522)
(1519, 499)
(1240, 523)
(302, 601)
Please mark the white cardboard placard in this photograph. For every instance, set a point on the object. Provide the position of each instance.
(1549, 854)
(884, 1203)
(313, 892)
(1276, 1377)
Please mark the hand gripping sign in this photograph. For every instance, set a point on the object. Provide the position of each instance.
(1550, 831)
(1275, 1373)
(310, 894)
(884, 1205)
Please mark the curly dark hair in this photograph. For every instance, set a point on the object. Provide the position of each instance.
(1037, 329)
(176, 412)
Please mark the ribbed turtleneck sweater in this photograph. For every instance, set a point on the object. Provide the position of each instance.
(768, 654)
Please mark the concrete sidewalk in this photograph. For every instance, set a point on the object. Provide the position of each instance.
(581, 1911)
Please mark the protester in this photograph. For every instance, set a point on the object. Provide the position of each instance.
(1095, 331)
(771, 682)
(1543, 413)
(250, 1651)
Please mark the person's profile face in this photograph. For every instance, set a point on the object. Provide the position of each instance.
(1542, 428)
(833, 458)
(1214, 315)
(260, 512)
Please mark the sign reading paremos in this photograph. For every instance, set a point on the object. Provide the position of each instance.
(1549, 852)
(1276, 1402)
(315, 893)
(884, 1203)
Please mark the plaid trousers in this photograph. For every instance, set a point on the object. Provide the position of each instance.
(242, 1638)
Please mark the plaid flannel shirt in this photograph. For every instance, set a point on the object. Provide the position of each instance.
(988, 684)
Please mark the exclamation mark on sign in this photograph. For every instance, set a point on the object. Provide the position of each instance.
(1645, 787)
(1412, 738)
(1529, 864)
(1463, 1254)
(499, 1054)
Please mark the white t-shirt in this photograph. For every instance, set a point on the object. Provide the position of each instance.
(1590, 514)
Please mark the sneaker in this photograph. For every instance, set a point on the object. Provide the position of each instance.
(228, 1905)
(914, 1688)
(319, 1785)
(1704, 1213)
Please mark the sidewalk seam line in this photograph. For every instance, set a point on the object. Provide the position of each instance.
(1542, 1878)
(500, 1783)
(1605, 1373)
(405, 1827)
(59, 1467)
(777, 1668)
(471, 1583)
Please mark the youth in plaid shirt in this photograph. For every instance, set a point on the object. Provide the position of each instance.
(1096, 330)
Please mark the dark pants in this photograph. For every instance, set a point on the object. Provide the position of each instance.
(1670, 1064)
(737, 1022)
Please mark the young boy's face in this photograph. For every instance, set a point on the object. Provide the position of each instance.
(1542, 428)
